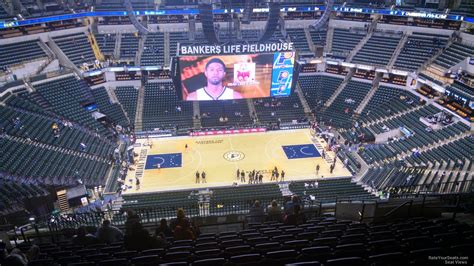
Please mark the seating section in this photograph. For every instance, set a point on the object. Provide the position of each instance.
(12, 195)
(65, 95)
(175, 38)
(236, 112)
(112, 110)
(319, 241)
(270, 110)
(226, 199)
(32, 8)
(298, 37)
(466, 8)
(318, 89)
(109, 5)
(340, 112)
(318, 37)
(377, 51)
(53, 7)
(250, 35)
(344, 41)
(20, 52)
(39, 129)
(462, 89)
(162, 108)
(419, 138)
(3, 13)
(454, 153)
(330, 190)
(167, 202)
(153, 54)
(128, 97)
(277, 36)
(143, 4)
(451, 171)
(106, 43)
(129, 45)
(454, 54)
(388, 101)
(76, 47)
(418, 48)
(43, 165)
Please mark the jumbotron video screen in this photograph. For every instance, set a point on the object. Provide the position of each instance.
(242, 76)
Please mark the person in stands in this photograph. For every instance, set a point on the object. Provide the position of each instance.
(84, 238)
(256, 213)
(182, 227)
(183, 231)
(296, 218)
(137, 238)
(109, 234)
(274, 212)
(164, 229)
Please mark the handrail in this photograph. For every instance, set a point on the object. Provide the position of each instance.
(388, 214)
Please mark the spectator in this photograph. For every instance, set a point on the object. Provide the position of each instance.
(3, 252)
(181, 219)
(295, 201)
(84, 238)
(109, 234)
(296, 218)
(16, 258)
(274, 211)
(132, 218)
(164, 229)
(33, 253)
(137, 238)
(256, 213)
(183, 231)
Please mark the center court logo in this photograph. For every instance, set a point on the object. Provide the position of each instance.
(234, 156)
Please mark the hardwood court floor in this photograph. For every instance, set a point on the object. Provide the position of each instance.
(221, 156)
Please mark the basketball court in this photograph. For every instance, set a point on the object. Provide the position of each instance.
(168, 165)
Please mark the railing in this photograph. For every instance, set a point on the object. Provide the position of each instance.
(431, 189)
(153, 215)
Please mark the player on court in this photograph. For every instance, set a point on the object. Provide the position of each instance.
(197, 177)
(203, 177)
(186, 147)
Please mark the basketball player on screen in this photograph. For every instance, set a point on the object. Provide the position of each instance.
(215, 89)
